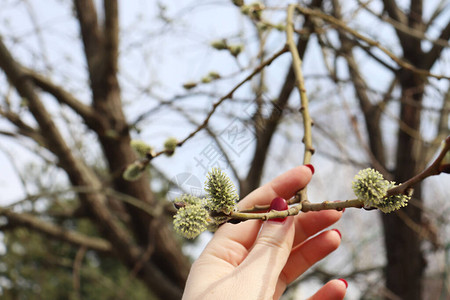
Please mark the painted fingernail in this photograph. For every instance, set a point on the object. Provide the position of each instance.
(278, 204)
(311, 167)
(340, 235)
(344, 281)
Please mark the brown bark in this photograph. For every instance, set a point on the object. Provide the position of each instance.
(166, 271)
(81, 175)
(101, 52)
(405, 259)
(54, 231)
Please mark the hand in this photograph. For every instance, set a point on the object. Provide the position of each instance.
(257, 260)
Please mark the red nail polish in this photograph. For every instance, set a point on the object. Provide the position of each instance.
(344, 281)
(278, 204)
(311, 167)
(340, 235)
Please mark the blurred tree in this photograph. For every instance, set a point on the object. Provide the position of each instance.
(383, 63)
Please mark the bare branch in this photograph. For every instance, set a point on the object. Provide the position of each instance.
(91, 34)
(419, 34)
(111, 37)
(271, 123)
(433, 54)
(300, 84)
(345, 27)
(229, 95)
(395, 12)
(398, 15)
(63, 97)
(23, 128)
(372, 113)
(53, 138)
(72, 237)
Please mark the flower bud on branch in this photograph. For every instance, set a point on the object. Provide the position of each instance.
(371, 188)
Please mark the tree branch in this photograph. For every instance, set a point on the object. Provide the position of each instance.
(229, 95)
(91, 35)
(62, 96)
(433, 54)
(260, 211)
(271, 123)
(300, 84)
(338, 23)
(81, 175)
(23, 128)
(72, 237)
(398, 15)
(372, 113)
(111, 37)
(53, 138)
(419, 34)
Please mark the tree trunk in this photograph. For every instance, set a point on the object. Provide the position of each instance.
(405, 260)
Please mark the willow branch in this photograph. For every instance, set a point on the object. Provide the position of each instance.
(229, 95)
(300, 84)
(434, 169)
(216, 141)
(260, 211)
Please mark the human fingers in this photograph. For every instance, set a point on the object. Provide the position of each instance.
(332, 290)
(284, 186)
(311, 251)
(242, 236)
(231, 242)
(264, 263)
(310, 223)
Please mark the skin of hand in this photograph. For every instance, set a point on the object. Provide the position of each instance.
(257, 260)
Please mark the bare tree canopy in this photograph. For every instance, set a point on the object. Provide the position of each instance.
(249, 88)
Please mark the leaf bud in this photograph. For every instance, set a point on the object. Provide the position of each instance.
(141, 148)
(134, 171)
(170, 145)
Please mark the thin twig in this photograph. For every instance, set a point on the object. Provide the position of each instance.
(433, 169)
(229, 95)
(76, 270)
(297, 67)
(370, 42)
(300, 84)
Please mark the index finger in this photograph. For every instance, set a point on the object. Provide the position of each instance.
(285, 186)
(232, 242)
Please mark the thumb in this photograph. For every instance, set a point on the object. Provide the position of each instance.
(270, 252)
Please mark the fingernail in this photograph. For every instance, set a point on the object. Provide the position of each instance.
(344, 281)
(340, 235)
(310, 166)
(278, 204)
